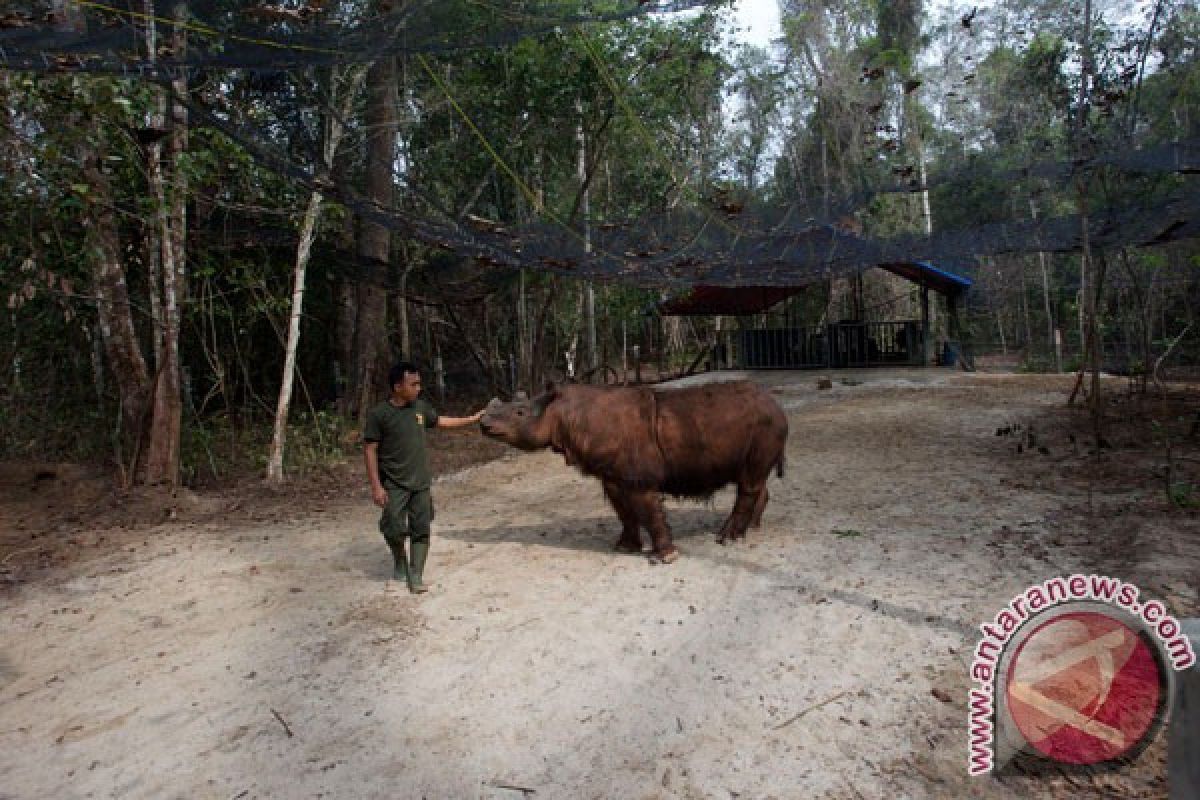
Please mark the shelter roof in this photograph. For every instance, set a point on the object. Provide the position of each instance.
(737, 300)
(925, 274)
(733, 300)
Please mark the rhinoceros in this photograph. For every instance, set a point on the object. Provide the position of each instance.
(643, 442)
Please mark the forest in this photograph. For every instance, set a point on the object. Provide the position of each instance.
(221, 222)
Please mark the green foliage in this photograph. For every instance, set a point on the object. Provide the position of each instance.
(317, 440)
(217, 449)
(43, 427)
(528, 103)
(1184, 494)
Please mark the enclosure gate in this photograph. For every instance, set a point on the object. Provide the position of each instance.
(842, 344)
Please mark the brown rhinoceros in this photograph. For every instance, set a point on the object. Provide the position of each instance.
(642, 442)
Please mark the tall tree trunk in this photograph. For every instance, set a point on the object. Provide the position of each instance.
(524, 348)
(1050, 338)
(279, 437)
(162, 451)
(537, 356)
(1026, 318)
(114, 314)
(308, 229)
(347, 313)
(401, 307)
(1090, 277)
(113, 309)
(374, 240)
(908, 104)
(585, 210)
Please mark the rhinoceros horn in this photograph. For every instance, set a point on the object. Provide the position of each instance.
(521, 397)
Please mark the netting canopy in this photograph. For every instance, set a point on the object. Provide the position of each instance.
(108, 37)
(786, 239)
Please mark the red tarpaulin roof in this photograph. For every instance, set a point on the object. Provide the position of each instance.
(737, 300)
(731, 300)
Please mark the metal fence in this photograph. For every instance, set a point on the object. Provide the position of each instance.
(843, 344)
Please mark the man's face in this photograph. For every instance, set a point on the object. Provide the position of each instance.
(407, 389)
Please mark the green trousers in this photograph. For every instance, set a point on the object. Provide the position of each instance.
(408, 514)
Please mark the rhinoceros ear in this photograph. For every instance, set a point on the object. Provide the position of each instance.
(520, 397)
(545, 399)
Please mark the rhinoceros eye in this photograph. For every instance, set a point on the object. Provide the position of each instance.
(520, 413)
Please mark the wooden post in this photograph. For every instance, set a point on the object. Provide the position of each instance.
(637, 364)
(926, 347)
(955, 333)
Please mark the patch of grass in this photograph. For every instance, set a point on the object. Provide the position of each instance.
(846, 533)
(1184, 495)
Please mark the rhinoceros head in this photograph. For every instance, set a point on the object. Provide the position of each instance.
(519, 422)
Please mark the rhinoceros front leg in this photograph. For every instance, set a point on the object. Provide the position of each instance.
(631, 540)
(748, 499)
(650, 512)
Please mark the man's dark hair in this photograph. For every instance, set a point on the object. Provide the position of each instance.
(396, 374)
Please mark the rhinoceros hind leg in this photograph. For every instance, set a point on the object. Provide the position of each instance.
(759, 505)
(743, 512)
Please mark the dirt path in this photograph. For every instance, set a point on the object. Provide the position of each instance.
(231, 660)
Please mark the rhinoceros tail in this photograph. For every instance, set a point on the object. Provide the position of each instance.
(779, 465)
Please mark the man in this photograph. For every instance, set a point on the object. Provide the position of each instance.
(398, 468)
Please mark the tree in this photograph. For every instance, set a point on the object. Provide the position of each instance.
(334, 126)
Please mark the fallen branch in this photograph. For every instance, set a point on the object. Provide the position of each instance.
(821, 704)
(286, 728)
(525, 790)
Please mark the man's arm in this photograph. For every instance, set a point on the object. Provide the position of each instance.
(371, 454)
(459, 422)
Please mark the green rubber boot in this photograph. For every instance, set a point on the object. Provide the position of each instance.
(400, 571)
(420, 551)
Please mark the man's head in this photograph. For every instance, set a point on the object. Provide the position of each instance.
(405, 382)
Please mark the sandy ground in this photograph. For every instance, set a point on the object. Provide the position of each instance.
(233, 658)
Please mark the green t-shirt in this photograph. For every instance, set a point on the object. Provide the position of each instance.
(400, 432)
